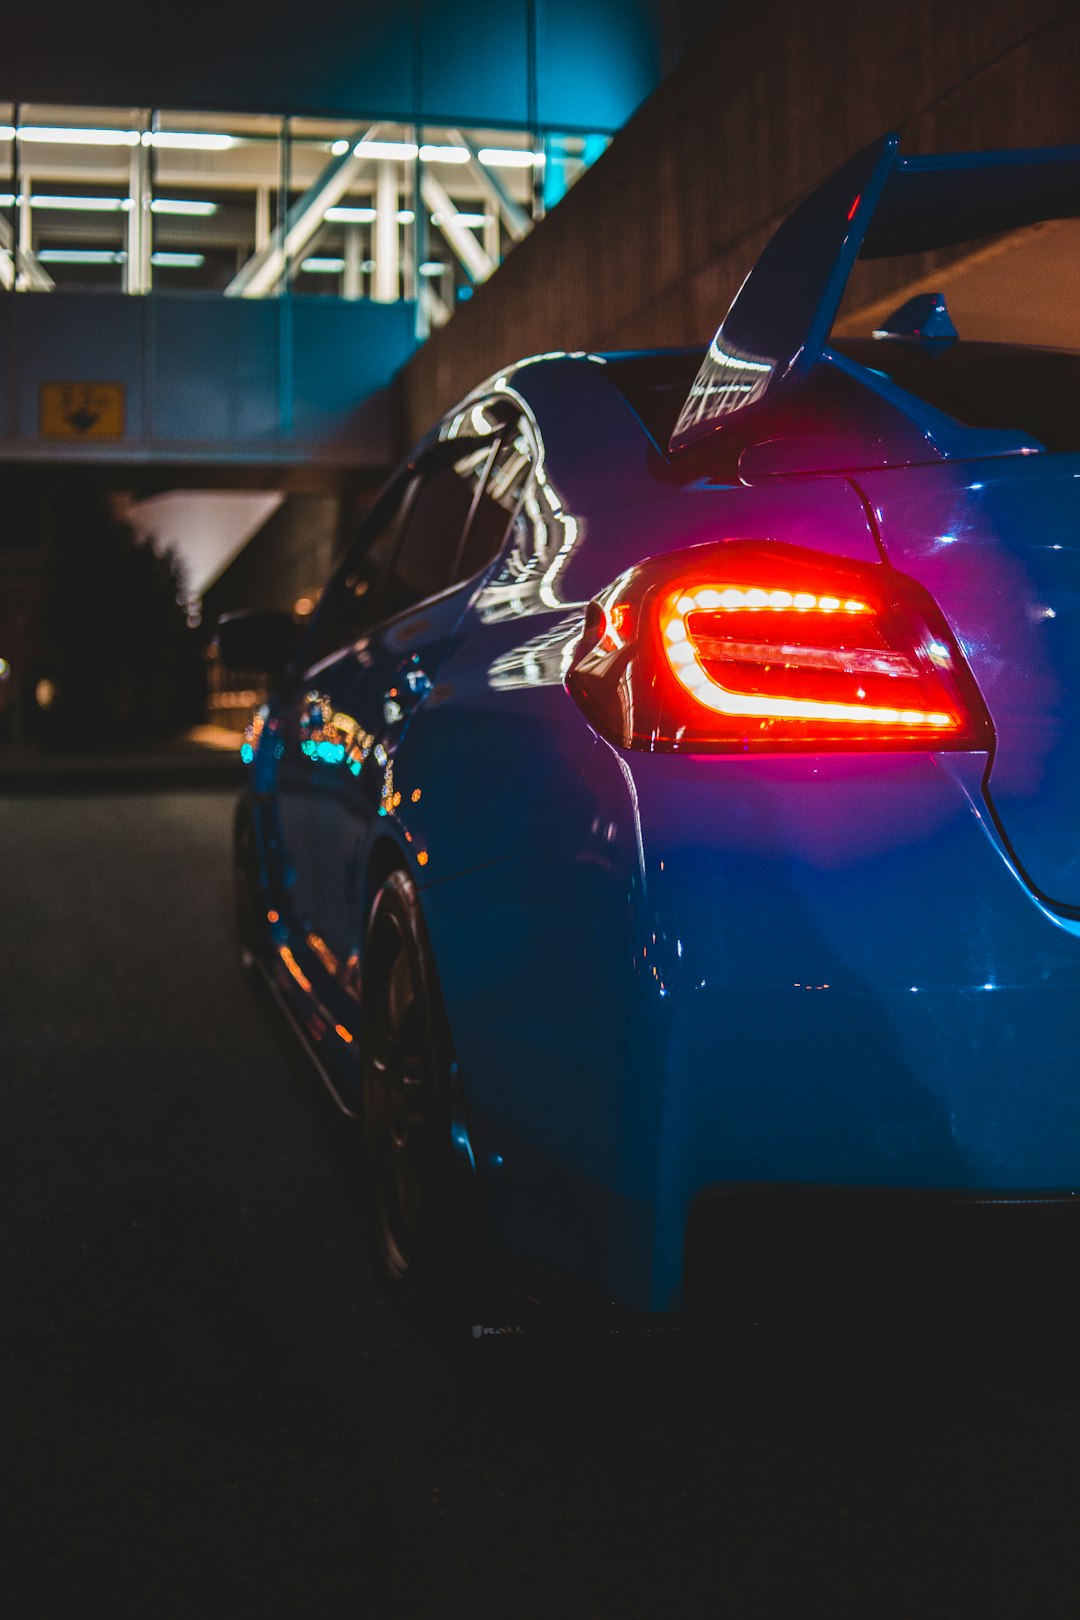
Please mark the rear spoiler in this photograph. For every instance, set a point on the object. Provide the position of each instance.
(877, 205)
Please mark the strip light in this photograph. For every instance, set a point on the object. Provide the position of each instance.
(80, 256)
(350, 216)
(460, 219)
(737, 597)
(183, 205)
(82, 205)
(342, 214)
(69, 135)
(402, 151)
(184, 140)
(505, 157)
(73, 135)
(164, 261)
(110, 205)
(683, 659)
(444, 154)
(178, 261)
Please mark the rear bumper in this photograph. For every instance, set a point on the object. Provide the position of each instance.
(743, 973)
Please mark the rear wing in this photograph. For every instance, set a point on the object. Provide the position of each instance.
(877, 205)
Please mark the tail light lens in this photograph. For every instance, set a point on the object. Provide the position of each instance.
(746, 646)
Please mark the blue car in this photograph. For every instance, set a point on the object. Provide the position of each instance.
(669, 824)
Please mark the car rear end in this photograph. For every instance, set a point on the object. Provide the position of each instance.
(849, 973)
(794, 951)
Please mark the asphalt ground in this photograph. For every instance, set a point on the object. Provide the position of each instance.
(206, 1407)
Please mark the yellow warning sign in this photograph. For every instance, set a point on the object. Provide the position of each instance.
(82, 410)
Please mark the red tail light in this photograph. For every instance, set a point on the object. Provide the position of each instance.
(746, 646)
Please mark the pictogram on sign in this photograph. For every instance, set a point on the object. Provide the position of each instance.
(82, 410)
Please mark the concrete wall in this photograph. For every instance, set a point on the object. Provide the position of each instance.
(206, 379)
(654, 241)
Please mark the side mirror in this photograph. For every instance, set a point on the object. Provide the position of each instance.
(262, 639)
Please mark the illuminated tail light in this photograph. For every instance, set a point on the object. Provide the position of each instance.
(747, 646)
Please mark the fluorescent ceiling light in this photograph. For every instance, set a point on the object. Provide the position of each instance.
(339, 148)
(80, 256)
(350, 216)
(64, 135)
(183, 140)
(116, 205)
(444, 154)
(402, 150)
(83, 205)
(461, 219)
(182, 205)
(323, 267)
(7, 132)
(431, 268)
(342, 214)
(90, 205)
(179, 261)
(505, 157)
(172, 261)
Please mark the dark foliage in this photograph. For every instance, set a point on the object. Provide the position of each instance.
(123, 663)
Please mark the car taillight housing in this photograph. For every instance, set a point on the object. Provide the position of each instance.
(747, 646)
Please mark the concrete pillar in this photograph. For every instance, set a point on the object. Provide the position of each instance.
(26, 224)
(137, 264)
(386, 232)
(353, 281)
(262, 217)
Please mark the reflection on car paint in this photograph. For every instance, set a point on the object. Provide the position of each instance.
(331, 737)
(542, 538)
(543, 660)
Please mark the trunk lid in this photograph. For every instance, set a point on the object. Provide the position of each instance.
(997, 543)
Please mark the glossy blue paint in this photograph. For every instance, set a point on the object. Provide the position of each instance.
(999, 553)
(816, 970)
(669, 973)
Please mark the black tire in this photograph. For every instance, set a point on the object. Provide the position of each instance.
(418, 1198)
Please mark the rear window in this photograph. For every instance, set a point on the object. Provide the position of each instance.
(985, 385)
(655, 385)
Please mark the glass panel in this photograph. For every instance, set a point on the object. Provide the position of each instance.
(354, 595)
(566, 157)
(436, 521)
(355, 239)
(215, 181)
(495, 508)
(477, 189)
(127, 197)
(74, 168)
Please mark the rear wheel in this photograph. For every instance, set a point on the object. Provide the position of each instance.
(416, 1195)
